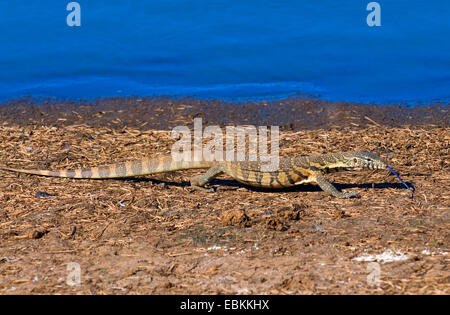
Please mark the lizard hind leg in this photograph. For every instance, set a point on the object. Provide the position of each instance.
(198, 182)
(329, 188)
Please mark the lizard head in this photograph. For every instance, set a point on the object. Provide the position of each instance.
(363, 160)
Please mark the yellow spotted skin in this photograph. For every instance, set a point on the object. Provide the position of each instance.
(289, 171)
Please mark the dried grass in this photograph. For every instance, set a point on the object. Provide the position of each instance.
(137, 235)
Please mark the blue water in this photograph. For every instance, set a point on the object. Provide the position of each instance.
(226, 49)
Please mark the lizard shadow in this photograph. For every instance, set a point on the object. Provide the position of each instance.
(234, 185)
(308, 187)
(155, 181)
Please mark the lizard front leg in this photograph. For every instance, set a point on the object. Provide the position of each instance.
(329, 188)
(198, 182)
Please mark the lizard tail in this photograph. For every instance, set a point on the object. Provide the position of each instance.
(145, 166)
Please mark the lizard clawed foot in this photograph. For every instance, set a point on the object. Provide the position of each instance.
(350, 194)
(194, 187)
(329, 188)
(199, 182)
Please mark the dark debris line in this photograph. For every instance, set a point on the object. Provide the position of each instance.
(164, 113)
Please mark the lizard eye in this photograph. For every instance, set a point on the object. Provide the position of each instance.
(355, 160)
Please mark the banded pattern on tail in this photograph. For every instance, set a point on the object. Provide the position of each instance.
(145, 166)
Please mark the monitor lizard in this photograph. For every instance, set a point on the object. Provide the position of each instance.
(290, 171)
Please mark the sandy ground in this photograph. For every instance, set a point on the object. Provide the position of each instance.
(154, 235)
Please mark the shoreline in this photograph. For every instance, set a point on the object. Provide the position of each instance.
(291, 114)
